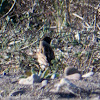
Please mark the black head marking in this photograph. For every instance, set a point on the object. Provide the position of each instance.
(47, 39)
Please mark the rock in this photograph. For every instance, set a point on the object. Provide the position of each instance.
(30, 80)
(24, 81)
(53, 76)
(36, 78)
(58, 85)
(4, 73)
(75, 76)
(44, 83)
(15, 93)
(67, 85)
(72, 73)
(70, 70)
(88, 74)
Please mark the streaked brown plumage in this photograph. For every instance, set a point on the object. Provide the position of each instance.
(45, 53)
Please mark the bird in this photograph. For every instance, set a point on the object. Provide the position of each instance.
(45, 53)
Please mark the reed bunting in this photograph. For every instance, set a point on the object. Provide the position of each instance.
(45, 53)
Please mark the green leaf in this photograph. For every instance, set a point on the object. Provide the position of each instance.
(40, 72)
(33, 71)
(23, 76)
(45, 73)
(48, 76)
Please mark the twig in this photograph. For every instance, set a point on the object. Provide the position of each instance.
(9, 10)
(98, 27)
(90, 60)
(81, 18)
(32, 42)
(89, 5)
(95, 17)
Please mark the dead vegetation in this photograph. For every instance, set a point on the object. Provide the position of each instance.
(74, 27)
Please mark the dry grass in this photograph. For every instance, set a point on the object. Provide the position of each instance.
(73, 25)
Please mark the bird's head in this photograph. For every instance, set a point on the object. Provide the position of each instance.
(47, 39)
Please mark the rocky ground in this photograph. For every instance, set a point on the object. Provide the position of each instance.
(10, 89)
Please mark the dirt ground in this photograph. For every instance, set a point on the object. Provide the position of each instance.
(9, 86)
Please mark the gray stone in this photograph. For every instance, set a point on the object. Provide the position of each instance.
(44, 83)
(15, 93)
(30, 80)
(75, 76)
(53, 76)
(70, 70)
(67, 85)
(88, 74)
(36, 78)
(72, 73)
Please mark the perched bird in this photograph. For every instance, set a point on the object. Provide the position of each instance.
(45, 53)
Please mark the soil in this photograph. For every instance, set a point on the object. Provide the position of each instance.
(10, 89)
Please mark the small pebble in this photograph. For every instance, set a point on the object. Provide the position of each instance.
(4, 73)
(88, 74)
(44, 83)
(53, 76)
